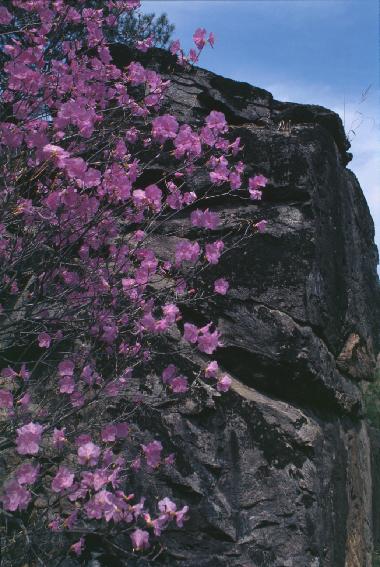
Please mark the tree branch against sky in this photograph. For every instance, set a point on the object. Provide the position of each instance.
(310, 51)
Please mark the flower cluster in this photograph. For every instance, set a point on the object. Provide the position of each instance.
(86, 294)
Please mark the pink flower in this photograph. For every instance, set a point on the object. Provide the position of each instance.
(199, 37)
(24, 373)
(208, 342)
(136, 74)
(6, 399)
(255, 194)
(213, 251)
(130, 5)
(208, 136)
(211, 369)
(190, 333)
(171, 312)
(109, 432)
(205, 219)
(235, 148)
(10, 135)
(27, 473)
(144, 45)
(164, 128)
(8, 373)
(187, 251)
(62, 480)
(77, 399)
(211, 39)
(88, 454)
(158, 524)
(78, 547)
(56, 152)
(193, 56)
(257, 181)
(100, 478)
(166, 506)
(224, 383)
(187, 142)
(44, 340)
(152, 453)
(66, 385)
(91, 178)
(217, 121)
(179, 385)
(75, 168)
(168, 373)
(140, 540)
(59, 437)
(220, 174)
(5, 16)
(15, 496)
(66, 368)
(175, 46)
(82, 439)
(28, 438)
(122, 430)
(170, 459)
(189, 197)
(154, 195)
(235, 180)
(221, 286)
(261, 225)
(254, 183)
(25, 400)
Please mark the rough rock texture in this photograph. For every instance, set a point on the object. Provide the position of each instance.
(278, 471)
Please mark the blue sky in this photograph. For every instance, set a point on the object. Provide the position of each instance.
(312, 51)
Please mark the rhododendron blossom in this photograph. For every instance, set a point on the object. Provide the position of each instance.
(59, 437)
(261, 225)
(78, 546)
(6, 399)
(208, 342)
(216, 121)
(179, 384)
(44, 340)
(224, 383)
(106, 207)
(205, 219)
(15, 496)
(164, 128)
(199, 37)
(29, 438)
(140, 539)
(27, 473)
(88, 454)
(62, 480)
(221, 286)
(213, 251)
(187, 251)
(152, 453)
(5, 16)
(191, 333)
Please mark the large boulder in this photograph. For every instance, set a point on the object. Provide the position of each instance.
(277, 471)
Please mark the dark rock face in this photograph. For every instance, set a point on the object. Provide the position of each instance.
(278, 471)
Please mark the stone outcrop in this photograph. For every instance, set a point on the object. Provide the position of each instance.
(278, 471)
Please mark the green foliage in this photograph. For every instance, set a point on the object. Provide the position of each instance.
(372, 407)
(136, 26)
(376, 559)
